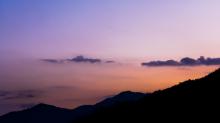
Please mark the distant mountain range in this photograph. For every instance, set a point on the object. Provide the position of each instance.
(192, 100)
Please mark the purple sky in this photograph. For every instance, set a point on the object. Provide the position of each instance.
(120, 30)
(113, 28)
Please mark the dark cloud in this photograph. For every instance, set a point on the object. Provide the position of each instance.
(78, 59)
(84, 59)
(211, 61)
(185, 62)
(162, 63)
(189, 61)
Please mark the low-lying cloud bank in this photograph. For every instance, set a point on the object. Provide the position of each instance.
(77, 59)
(184, 62)
(22, 94)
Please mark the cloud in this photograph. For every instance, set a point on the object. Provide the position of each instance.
(21, 94)
(84, 59)
(187, 61)
(110, 61)
(51, 60)
(77, 59)
(30, 94)
(210, 61)
(162, 63)
(3, 93)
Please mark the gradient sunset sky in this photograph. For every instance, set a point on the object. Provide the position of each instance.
(109, 28)
(125, 31)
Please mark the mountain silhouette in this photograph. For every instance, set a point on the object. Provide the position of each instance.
(123, 97)
(43, 113)
(189, 101)
(192, 100)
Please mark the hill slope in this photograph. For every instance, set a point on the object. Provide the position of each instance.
(192, 100)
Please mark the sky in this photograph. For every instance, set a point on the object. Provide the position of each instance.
(111, 28)
(127, 32)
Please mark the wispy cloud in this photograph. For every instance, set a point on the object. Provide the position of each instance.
(32, 93)
(52, 61)
(21, 94)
